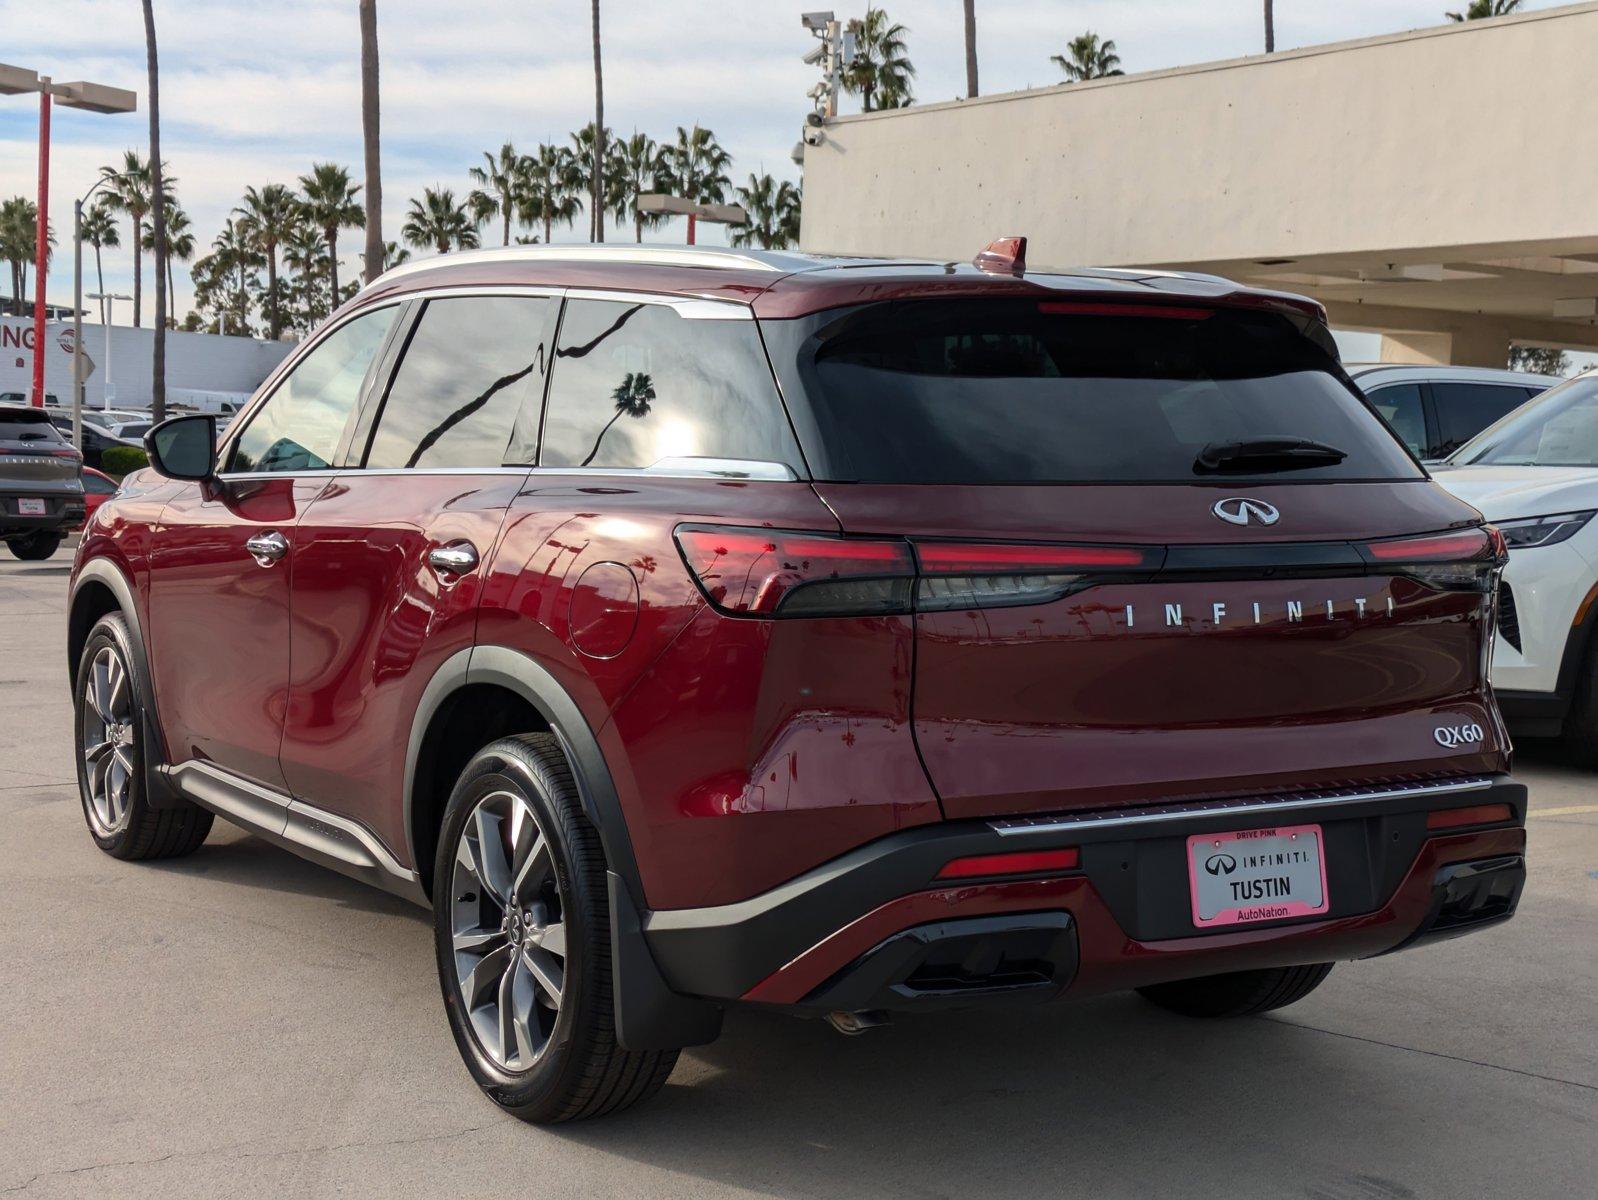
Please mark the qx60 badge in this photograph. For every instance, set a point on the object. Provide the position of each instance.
(1453, 736)
(1243, 510)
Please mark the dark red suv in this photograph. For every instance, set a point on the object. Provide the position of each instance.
(700, 628)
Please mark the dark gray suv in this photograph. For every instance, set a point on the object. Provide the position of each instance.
(41, 483)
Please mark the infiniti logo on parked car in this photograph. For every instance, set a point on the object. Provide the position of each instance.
(1450, 736)
(1241, 510)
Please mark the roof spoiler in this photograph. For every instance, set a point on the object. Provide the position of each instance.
(1003, 256)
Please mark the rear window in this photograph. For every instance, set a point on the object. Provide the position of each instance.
(28, 427)
(1022, 391)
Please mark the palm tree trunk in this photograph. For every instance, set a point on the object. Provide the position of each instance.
(971, 46)
(171, 291)
(138, 266)
(549, 223)
(332, 269)
(158, 211)
(599, 135)
(505, 208)
(99, 276)
(592, 453)
(272, 322)
(369, 132)
(1270, 27)
(638, 223)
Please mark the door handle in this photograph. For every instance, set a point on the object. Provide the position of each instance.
(267, 548)
(457, 558)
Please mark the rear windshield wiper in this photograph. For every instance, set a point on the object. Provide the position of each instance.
(1265, 454)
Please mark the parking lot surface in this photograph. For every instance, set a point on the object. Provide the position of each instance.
(241, 1021)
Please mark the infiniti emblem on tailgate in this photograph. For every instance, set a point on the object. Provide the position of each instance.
(1241, 510)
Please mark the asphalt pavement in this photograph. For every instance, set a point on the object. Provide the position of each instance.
(242, 1022)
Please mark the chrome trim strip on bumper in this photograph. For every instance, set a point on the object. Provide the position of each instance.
(1134, 817)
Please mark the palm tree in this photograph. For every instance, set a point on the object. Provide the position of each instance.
(551, 187)
(698, 166)
(583, 143)
(882, 69)
(236, 256)
(1270, 27)
(436, 222)
(497, 185)
(1087, 57)
(305, 254)
(597, 193)
(637, 165)
(370, 140)
(394, 254)
(1480, 10)
(158, 207)
(773, 210)
(330, 204)
(633, 397)
(971, 45)
(129, 191)
(267, 214)
(100, 230)
(19, 237)
(179, 245)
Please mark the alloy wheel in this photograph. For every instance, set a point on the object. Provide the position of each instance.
(108, 731)
(508, 931)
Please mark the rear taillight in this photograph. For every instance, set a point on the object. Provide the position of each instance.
(1020, 862)
(784, 573)
(1462, 560)
(958, 575)
(1478, 814)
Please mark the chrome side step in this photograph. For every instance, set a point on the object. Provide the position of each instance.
(312, 833)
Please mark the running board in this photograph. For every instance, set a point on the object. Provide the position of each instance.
(312, 833)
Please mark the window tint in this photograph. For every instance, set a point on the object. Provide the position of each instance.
(1025, 391)
(637, 383)
(299, 426)
(1465, 409)
(470, 366)
(1400, 406)
(28, 427)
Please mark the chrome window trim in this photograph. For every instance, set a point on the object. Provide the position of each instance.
(689, 308)
(1243, 807)
(740, 469)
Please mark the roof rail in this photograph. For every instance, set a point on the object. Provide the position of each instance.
(665, 256)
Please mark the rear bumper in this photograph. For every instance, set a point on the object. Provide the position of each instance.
(62, 512)
(876, 930)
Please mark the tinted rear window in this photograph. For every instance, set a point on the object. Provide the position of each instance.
(28, 427)
(1018, 391)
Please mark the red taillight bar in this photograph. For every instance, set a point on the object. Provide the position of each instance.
(1084, 308)
(983, 558)
(1436, 547)
(1478, 814)
(750, 572)
(1021, 862)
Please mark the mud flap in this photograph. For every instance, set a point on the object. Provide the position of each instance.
(649, 1015)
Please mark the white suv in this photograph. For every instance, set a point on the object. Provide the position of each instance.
(1534, 474)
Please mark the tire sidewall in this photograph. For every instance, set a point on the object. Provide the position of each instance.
(501, 769)
(27, 546)
(110, 630)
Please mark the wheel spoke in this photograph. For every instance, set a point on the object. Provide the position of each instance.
(116, 700)
(93, 754)
(484, 975)
(99, 689)
(478, 941)
(546, 971)
(506, 1013)
(522, 1022)
(533, 868)
(493, 869)
(553, 939)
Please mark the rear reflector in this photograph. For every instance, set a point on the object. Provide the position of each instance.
(1479, 814)
(1165, 312)
(1023, 862)
(775, 572)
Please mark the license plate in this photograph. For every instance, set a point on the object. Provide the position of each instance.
(1256, 875)
(27, 507)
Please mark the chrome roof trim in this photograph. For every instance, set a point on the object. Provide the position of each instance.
(775, 262)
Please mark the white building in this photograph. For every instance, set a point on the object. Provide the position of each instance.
(195, 362)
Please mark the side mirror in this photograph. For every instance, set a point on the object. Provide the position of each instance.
(184, 448)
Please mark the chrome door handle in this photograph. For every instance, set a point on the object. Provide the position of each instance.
(457, 558)
(267, 548)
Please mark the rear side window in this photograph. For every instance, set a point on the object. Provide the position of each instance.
(26, 427)
(471, 365)
(1023, 391)
(635, 383)
(1401, 407)
(1465, 409)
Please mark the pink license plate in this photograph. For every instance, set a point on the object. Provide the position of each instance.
(1256, 875)
(27, 507)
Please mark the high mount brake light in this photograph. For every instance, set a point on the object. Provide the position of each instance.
(776, 572)
(1084, 308)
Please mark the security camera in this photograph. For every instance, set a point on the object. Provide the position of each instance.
(814, 120)
(814, 137)
(798, 154)
(817, 21)
(817, 55)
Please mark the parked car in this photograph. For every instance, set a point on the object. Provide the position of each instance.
(1436, 410)
(1534, 474)
(41, 496)
(97, 439)
(691, 629)
(21, 399)
(97, 486)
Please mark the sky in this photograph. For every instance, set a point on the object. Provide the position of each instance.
(255, 91)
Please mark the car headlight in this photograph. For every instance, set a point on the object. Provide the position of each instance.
(1542, 531)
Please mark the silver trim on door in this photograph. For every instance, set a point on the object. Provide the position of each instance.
(267, 548)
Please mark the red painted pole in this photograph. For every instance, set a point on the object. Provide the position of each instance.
(691, 223)
(41, 259)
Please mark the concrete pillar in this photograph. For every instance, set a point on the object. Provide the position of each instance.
(1482, 345)
(1421, 349)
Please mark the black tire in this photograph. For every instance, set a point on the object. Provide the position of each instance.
(1580, 731)
(135, 831)
(1239, 994)
(581, 1070)
(34, 547)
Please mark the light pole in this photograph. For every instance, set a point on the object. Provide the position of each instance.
(106, 389)
(95, 97)
(77, 309)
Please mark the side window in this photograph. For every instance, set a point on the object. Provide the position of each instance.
(299, 426)
(636, 383)
(1400, 406)
(471, 365)
(1465, 409)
